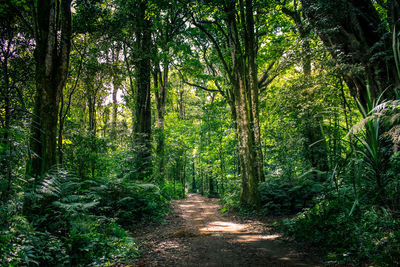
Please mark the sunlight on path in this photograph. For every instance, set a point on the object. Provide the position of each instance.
(196, 210)
(199, 235)
(218, 226)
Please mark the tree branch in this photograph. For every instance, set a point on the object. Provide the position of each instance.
(193, 84)
(219, 52)
(266, 74)
(201, 87)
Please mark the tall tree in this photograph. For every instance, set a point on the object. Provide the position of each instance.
(52, 31)
(142, 120)
(170, 23)
(238, 56)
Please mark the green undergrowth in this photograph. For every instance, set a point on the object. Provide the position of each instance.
(347, 226)
(64, 221)
(278, 196)
(282, 196)
(367, 235)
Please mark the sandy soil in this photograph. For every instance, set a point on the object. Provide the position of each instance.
(197, 234)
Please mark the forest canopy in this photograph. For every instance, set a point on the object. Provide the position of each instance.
(109, 109)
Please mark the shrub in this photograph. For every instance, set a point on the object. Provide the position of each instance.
(129, 202)
(367, 235)
(281, 196)
(171, 190)
(98, 242)
(61, 228)
(231, 196)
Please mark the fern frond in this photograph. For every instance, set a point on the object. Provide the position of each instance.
(360, 126)
(390, 104)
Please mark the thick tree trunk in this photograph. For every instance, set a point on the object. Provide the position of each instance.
(245, 97)
(53, 36)
(254, 90)
(241, 71)
(247, 155)
(142, 124)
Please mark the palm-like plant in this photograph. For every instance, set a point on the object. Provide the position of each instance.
(381, 120)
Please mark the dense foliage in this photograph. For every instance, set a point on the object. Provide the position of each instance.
(110, 109)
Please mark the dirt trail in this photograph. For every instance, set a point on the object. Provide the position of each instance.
(197, 234)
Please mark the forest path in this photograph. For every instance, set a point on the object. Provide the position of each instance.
(197, 234)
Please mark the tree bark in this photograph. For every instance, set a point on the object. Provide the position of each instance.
(161, 90)
(254, 90)
(245, 103)
(242, 72)
(142, 123)
(52, 20)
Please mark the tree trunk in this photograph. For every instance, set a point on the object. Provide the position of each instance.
(254, 90)
(245, 101)
(241, 71)
(114, 109)
(52, 20)
(161, 90)
(142, 124)
(5, 163)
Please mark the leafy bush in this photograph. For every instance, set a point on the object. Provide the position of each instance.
(99, 241)
(369, 234)
(129, 202)
(282, 196)
(231, 196)
(171, 190)
(60, 227)
(85, 154)
(21, 244)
